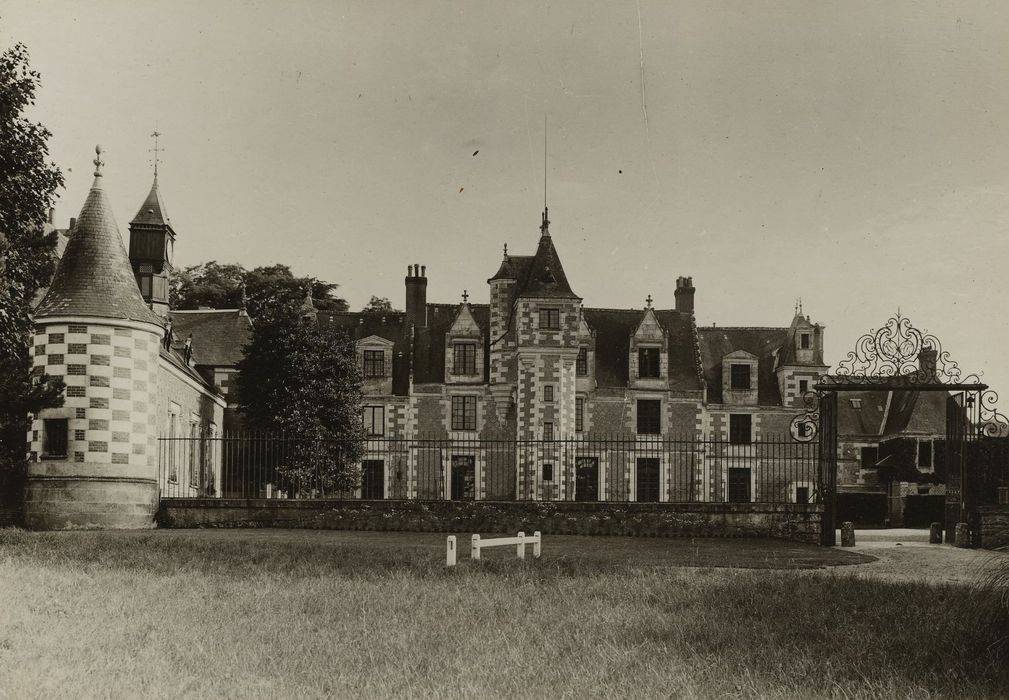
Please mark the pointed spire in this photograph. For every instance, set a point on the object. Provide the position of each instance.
(94, 277)
(153, 210)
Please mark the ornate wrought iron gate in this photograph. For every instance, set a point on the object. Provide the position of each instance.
(827, 456)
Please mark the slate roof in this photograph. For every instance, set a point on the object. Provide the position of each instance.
(545, 277)
(390, 325)
(515, 267)
(152, 211)
(176, 360)
(94, 276)
(218, 334)
(909, 412)
(614, 329)
(716, 343)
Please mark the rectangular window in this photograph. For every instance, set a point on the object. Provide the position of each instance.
(550, 319)
(802, 494)
(649, 416)
(870, 455)
(374, 363)
(374, 420)
(548, 431)
(548, 472)
(804, 341)
(579, 415)
(463, 413)
(740, 377)
(54, 437)
(648, 363)
(464, 358)
(582, 363)
(740, 425)
(194, 445)
(739, 485)
(803, 386)
(925, 454)
(173, 448)
(586, 478)
(548, 393)
(463, 480)
(373, 479)
(647, 480)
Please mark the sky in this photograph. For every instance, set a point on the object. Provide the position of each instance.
(853, 154)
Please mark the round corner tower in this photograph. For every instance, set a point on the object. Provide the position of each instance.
(93, 462)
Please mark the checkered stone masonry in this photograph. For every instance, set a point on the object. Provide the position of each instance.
(111, 378)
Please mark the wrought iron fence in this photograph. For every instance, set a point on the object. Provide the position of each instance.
(678, 469)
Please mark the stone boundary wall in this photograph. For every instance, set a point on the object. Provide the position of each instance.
(800, 522)
(994, 526)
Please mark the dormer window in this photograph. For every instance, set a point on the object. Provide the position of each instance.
(464, 358)
(550, 319)
(740, 377)
(648, 363)
(804, 341)
(374, 363)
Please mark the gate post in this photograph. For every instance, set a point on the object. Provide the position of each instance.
(827, 453)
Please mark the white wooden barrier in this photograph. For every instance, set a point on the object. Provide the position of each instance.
(477, 544)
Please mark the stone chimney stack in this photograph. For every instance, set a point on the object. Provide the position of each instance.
(685, 294)
(927, 363)
(416, 295)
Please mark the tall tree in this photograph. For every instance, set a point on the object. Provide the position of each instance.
(28, 185)
(303, 380)
(378, 304)
(219, 286)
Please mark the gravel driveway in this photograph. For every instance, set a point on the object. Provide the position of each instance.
(906, 555)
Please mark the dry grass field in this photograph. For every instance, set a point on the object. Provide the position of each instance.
(265, 614)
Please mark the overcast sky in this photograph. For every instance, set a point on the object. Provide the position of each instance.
(854, 154)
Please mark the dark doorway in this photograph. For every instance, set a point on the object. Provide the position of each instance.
(802, 494)
(463, 478)
(587, 479)
(739, 485)
(373, 479)
(648, 479)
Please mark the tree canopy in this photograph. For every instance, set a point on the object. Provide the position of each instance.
(303, 380)
(28, 185)
(271, 287)
(378, 304)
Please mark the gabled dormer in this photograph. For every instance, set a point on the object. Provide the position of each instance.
(799, 362)
(464, 346)
(374, 356)
(739, 378)
(648, 359)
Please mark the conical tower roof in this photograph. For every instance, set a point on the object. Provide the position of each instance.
(546, 276)
(153, 209)
(94, 277)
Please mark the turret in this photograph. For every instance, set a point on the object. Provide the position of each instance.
(94, 460)
(152, 246)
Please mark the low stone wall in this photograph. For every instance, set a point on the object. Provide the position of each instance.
(785, 521)
(994, 526)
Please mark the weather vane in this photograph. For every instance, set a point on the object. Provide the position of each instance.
(156, 150)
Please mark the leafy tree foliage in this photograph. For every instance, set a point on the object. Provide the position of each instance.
(267, 289)
(303, 380)
(28, 185)
(378, 304)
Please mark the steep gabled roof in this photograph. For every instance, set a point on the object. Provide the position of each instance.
(218, 334)
(716, 343)
(152, 211)
(513, 267)
(429, 348)
(94, 276)
(389, 325)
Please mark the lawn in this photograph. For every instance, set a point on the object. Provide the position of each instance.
(315, 614)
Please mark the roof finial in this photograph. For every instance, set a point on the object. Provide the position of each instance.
(156, 150)
(545, 225)
(465, 297)
(98, 160)
(800, 306)
(648, 301)
(506, 251)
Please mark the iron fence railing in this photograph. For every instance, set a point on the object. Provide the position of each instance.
(657, 468)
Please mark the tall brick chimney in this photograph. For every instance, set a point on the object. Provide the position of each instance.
(927, 363)
(416, 295)
(684, 294)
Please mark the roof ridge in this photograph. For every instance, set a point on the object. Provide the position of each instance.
(743, 328)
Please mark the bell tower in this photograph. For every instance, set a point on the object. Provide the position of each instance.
(152, 245)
